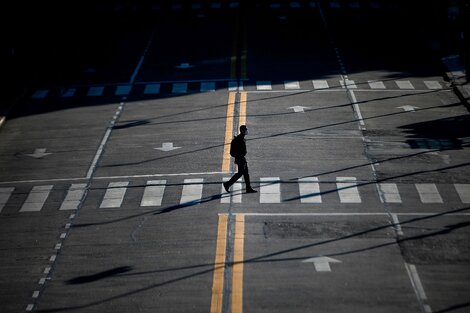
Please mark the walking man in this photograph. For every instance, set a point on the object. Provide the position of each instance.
(238, 151)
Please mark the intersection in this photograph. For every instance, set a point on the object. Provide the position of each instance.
(111, 196)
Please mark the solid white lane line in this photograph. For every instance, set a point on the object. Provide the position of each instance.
(404, 84)
(192, 191)
(291, 84)
(462, 189)
(389, 193)
(236, 193)
(74, 195)
(374, 84)
(417, 286)
(263, 85)
(270, 190)
(428, 193)
(95, 91)
(432, 84)
(416, 281)
(397, 225)
(347, 190)
(36, 198)
(5, 194)
(207, 86)
(357, 109)
(114, 195)
(320, 84)
(153, 193)
(309, 190)
(180, 88)
(104, 141)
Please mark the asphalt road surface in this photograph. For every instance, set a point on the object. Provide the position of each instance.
(112, 162)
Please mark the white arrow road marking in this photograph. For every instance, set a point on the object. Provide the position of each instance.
(322, 263)
(299, 108)
(38, 153)
(167, 146)
(408, 108)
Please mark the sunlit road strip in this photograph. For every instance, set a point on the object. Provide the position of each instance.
(229, 125)
(242, 117)
(237, 269)
(228, 132)
(219, 265)
(237, 265)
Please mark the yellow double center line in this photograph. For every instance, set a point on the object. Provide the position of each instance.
(237, 265)
(229, 125)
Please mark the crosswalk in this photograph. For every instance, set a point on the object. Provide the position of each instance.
(308, 190)
(215, 5)
(155, 88)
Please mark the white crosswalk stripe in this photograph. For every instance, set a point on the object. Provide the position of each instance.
(153, 193)
(428, 193)
(347, 190)
(347, 83)
(375, 84)
(232, 86)
(5, 194)
(36, 198)
(309, 190)
(270, 190)
(114, 195)
(192, 191)
(152, 89)
(95, 91)
(74, 195)
(462, 189)
(433, 84)
(123, 90)
(389, 193)
(263, 85)
(180, 88)
(291, 85)
(68, 93)
(207, 86)
(404, 84)
(236, 192)
(320, 84)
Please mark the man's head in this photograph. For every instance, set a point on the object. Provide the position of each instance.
(243, 130)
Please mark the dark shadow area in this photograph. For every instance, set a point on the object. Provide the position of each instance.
(98, 276)
(396, 37)
(454, 307)
(446, 133)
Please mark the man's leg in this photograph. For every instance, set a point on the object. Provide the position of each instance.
(235, 177)
(246, 176)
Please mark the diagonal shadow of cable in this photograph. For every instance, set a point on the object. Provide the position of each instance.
(268, 257)
(270, 136)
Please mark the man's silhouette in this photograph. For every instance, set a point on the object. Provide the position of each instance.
(238, 151)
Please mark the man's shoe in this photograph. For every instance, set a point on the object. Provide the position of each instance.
(251, 190)
(226, 187)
